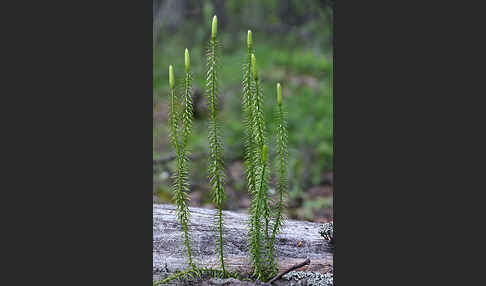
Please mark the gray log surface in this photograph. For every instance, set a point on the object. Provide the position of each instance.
(297, 241)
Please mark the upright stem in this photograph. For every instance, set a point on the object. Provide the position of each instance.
(256, 218)
(260, 141)
(282, 180)
(220, 220)
(282, 170)
(213, 76)
(215, 168)
(248, 102)
(180, 177)
(186, 131)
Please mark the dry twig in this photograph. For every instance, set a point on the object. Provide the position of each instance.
(306, 262)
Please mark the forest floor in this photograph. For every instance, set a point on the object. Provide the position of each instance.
(294, 278)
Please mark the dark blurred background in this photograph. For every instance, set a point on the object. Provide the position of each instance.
(293, 44)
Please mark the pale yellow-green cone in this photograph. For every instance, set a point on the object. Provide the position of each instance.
(249, 40)
(279, 94)
(254, 67)
(214, 29)
(264, 153)
(187, 61)
(171, 77)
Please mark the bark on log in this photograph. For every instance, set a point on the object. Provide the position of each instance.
(297, 241)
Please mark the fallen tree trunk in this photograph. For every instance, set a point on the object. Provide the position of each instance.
(297, 241)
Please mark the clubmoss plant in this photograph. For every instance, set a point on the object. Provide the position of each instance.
(257, 175)
(215, 162)
(266, 218)
(248, 111)
(282, 153)
(180, 187)
(252, 158)
(187, 115)
(265, 221)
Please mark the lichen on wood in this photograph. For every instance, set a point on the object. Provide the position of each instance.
(327, 231)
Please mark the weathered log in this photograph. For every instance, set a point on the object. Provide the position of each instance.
(297, 241)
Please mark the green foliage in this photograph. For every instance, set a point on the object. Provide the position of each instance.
(257, 170)
(215, 162)
(282, 153)
(180, 186)
(310, 124)
(198, 273)
(248, 110)
(259, 205)
(304, 62)
(187, 114)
